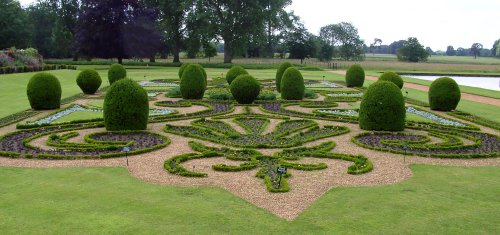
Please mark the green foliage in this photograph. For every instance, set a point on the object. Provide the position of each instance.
(266, 94)
(444, 94)
(234, 72)
(279, 74)
(382, 108)
(220, 94)
(182, 68)
(175, 92)
(126, 106)
(392, 77)
(89, 81)
(245, 89)
(116, 72)
(355, 76)
(192, 83)
(204, 73)
(412, 51)
(292, 85)
(44, 91)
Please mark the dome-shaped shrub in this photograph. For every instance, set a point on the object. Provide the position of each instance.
(204, 73)
(355, 76)
(181, 69)
(44, 91)
(444, 94)
(192, 83)
(126, 106)
(89, 81)
(234, 72)
(382, 108)
(245, 89)
(116, 72)
(292, 85)
(392, 77)
(279, 74)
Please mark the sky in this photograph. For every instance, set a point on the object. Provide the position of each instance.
(436, 23)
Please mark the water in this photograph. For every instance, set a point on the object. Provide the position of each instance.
(490, 83)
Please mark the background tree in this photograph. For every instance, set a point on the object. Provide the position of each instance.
(42, 17)
(325, 52)
(495, 48)
(462, 51)
(394, 46)
(376, 44)
(234, 22)
(344, 36)
(450, 51)
(116, 29)
(301, 44)
(64, 28)
(210, 50)
(475, 49)
(412, 51)
(276, 20)
(14, 25)
(429, 51)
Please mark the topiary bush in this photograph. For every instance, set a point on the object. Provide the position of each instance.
(355, 76)
(89, 81)
(204, 73)
(126, 106)
(44, 91)
(279, 74)
(116, 72)
(181, 69)
(245, 89)
(392, 77)
(382, 108)
(234, 72)
(292, 85)
(192, 83)
(444, 94)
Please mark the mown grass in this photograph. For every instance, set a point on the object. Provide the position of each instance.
(437, 199)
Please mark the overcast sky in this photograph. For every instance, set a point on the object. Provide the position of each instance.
(436, 23)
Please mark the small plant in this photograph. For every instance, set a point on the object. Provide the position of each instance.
(89, 81)
(44, 91)
(444, 94)
(245, 89)
(355, 76)
(220, 94)
(266, 94)
(234, 72)
(116, 72)
(292, 85)
(175, 92)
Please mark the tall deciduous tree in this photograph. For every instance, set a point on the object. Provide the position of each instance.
(377, 42)
(301, 44)
(412, 51)
(495, 50)
(65, 25)
(43, 18)
(117, 29)
(14, 27)
(345, 37)
(234, 22)
(450, 51)
(475, 49)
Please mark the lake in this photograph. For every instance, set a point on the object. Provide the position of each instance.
(490, 83)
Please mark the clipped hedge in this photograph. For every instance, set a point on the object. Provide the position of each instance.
(382, 108)
(279, 74)
(355, 76)
(245, 89)
(204, 73)
(116, 72)
(292, 85)
(192, 83)
(89, 81)
(44, 91)
(126, 106)
(234, 72)
(392, 77)
(182, 68)
(444, 94)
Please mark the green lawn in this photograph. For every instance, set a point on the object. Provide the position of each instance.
(437, 199)
(80, 115)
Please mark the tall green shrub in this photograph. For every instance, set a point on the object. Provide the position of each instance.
(192, 83)
(44, 91)
(292, 85)
(382, 108)
(245, 89)
(444, 94)
(279, 74)
(392, 77)
(355, 76)
(181, 69)
(116, 72)
(89, 81)
(126, 106)
(234, 72)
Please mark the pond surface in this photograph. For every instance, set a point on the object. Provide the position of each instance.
(490, 83)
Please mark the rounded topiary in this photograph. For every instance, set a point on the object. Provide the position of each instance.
(89, 81)
(382, 108)
(192, 83)
(126, 106)
(181, 69)
(116, 72)
(444, 94)
(355, 76)
(245, 89)
(204, 73)
(234, 72)
(392, 77)
(279, 74)
(44, 91)
(292, 84)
